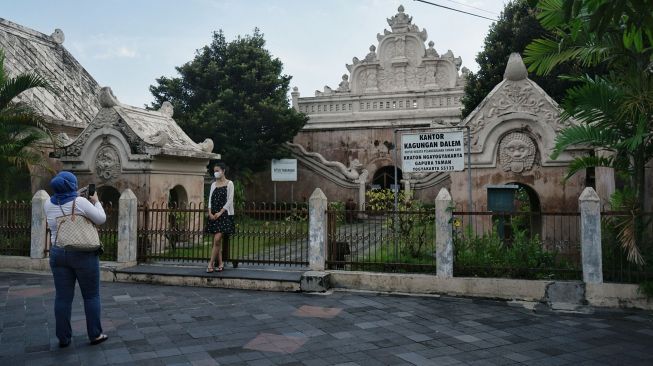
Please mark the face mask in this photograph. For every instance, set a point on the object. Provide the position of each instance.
(217, 175)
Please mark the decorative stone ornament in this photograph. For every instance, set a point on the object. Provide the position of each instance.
(58, 37)
(517, 152)
(107, 163)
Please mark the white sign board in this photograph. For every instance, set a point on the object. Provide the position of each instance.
(433, 152)
(284, 170)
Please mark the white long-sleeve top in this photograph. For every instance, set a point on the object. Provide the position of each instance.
(84, 207)
(229, 206)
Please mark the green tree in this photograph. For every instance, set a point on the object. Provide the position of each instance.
(614, 110)
(21, 128)
(235, 93)
(516, 28)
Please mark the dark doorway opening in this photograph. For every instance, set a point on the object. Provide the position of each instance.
(384, 177)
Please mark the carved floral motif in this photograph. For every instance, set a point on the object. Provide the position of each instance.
(107, 163)
(513, 97)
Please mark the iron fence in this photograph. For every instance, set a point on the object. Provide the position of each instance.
(616, 228)
(529, 245)
(271, 234)
(108, 233)
(15, 228)
(383, 241)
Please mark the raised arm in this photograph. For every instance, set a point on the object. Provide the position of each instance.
(93, 212)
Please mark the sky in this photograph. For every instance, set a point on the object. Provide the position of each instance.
(127, 44)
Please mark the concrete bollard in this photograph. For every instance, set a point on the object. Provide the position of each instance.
(443, 235)
(317, 230)
(590, 236)
(39, 225)
(127, 224)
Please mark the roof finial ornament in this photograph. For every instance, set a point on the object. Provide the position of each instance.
(58, 36)
(400, 22)
(167, 109)
(515, 68)
(107, 99)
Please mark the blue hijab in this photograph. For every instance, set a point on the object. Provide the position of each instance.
(64, 186)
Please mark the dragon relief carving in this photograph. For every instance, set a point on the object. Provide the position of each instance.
(514, 97)
(352, 172)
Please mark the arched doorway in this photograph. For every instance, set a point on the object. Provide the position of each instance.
(384, 177)
(523, 214)
(177, 196)
(109, 196)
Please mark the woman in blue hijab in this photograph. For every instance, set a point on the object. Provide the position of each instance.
(68, 266)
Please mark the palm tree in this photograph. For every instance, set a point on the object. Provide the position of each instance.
(615, 109)
(21, 127)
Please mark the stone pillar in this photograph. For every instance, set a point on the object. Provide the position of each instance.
(39, 225)
(443, 235)
(317, 230)
(362, 179)
(590, 236)
(604, 177)
(127, 223)
(295, 98)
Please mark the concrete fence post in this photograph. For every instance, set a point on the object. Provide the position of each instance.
(443, 235)
(39, 225)
(317, 230)
(590, 236)
(127, 222)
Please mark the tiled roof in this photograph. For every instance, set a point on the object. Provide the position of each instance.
(27, 50)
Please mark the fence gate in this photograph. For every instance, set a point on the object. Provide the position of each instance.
(266, 234)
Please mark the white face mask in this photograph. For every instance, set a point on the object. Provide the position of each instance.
(217, 175)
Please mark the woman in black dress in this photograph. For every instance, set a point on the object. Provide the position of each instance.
(221, 213)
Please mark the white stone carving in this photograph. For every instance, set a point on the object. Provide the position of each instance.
(160, 138)
(517, 152)
(64, 140)
(431, 52)
(370, 57)
(58, 37)
(343, 87)
(107, 163)
(206, 145)
(107, 99)
(352, 172)
(167, 109)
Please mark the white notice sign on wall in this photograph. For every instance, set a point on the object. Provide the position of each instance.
(284, 170)
(433, 152)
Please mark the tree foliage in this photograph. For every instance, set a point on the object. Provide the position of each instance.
(234, 93)
(615, 109)
(516, 28)
(21, 128)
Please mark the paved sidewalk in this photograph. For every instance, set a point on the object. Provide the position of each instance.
(165, 325)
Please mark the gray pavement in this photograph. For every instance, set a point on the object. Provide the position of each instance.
(165, 325)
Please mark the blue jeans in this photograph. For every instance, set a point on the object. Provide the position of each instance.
(83, 267)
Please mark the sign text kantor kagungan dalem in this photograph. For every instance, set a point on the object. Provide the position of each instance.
(433, 152)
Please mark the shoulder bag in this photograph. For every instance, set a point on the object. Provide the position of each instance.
(76, 233)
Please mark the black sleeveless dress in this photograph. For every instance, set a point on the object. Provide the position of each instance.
(225, 223)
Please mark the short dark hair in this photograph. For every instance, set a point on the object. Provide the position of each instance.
(221, 165)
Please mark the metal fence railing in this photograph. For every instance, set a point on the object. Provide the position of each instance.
(15, 228)
(529, 245)
(271, 234)
(109, 233)
(616, 228)
(383, 241)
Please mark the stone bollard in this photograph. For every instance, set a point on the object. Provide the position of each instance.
(317, 230)
(127, 223)
(590, 236)
(443, 235)
(39, 225)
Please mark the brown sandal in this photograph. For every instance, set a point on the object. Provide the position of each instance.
(220, 268)
(210, 269)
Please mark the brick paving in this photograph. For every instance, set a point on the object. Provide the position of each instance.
(166, 325)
